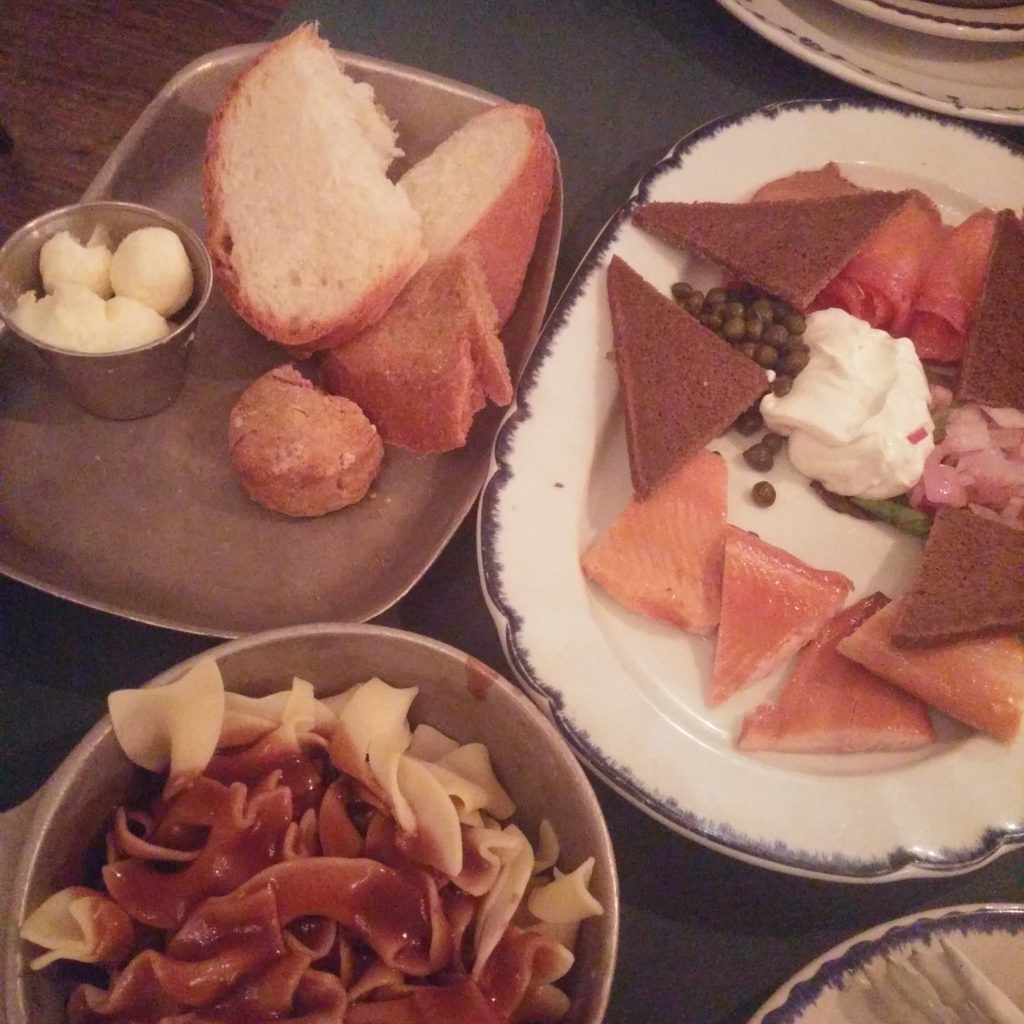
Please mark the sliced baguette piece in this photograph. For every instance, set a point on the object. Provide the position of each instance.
(428, 366)
(310, 240)
(488, 183)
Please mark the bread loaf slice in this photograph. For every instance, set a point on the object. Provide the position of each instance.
(310, 240)
(489, 184)
(428, 366)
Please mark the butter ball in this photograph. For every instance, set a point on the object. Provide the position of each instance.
(151, 265)
(73, 318)
(63, 259)
(130, 324)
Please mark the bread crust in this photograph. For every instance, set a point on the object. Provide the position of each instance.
(506, 234)
(300, 338)
(423, 372)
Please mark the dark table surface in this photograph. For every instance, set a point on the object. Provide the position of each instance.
(703, 937)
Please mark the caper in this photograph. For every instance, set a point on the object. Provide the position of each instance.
(775, 335)
(773, 442)
(716, 296)
(766, 356)
(794, 360)
(782, 385)
(680, 289)
(758, 457)
(732, 309)
(762, 308)
(694, 302)
(734, 329)
(795, 323)
(748, 348)
(763, 494)
(711, 319)
(755, 328)
(750, 421)
(780, 309)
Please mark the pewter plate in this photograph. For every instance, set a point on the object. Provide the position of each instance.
(145, 519)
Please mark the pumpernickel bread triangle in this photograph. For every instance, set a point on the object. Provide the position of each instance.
(790, 248)
(992, 372)
(969, 584)
(682, 384)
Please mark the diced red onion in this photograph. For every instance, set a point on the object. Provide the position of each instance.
(1005, 417)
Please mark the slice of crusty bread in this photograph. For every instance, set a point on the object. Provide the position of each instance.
(791, 248)
(430, 363)
(488, 183)
(310, 240)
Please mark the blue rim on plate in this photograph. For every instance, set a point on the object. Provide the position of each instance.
(901, 861)
(980, 18)
(798, 998)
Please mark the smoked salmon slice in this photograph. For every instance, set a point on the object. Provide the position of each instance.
(881, 281)
(772, 604)
(662, 557)
(979, 682)
(950, 288)
(831, 705)
(821, 183)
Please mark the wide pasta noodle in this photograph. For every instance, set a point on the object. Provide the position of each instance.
(324, 864)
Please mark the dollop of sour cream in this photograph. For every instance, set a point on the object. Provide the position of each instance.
(857, 416)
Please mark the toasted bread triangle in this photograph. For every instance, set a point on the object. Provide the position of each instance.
(993, 368)
(790, 248)
(682, 384)
(969, 584)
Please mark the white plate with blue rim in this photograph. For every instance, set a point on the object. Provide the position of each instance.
(996, 24)
(629, 693)
(895, 970)
(963, 78)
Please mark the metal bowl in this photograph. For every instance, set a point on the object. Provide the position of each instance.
(119, 385)
(45, 848)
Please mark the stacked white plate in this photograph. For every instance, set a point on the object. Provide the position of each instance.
(967, 61)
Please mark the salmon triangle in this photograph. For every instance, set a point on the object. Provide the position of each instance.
(662, 557)
(829, 704)
(772, 604)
